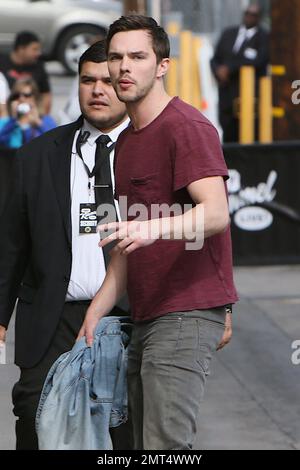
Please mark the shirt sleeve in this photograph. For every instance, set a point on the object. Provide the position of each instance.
(197, 154)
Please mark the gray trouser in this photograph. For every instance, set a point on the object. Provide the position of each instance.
(168, 362)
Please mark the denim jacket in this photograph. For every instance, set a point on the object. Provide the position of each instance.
(85, 391)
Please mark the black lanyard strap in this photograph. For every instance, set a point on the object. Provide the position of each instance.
(81, 140)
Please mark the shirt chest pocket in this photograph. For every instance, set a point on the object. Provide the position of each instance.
(144, 189)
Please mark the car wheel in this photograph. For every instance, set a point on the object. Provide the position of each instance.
(74, 42)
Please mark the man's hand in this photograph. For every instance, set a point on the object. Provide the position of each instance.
(227, 333)
(132, 235)
(2, 333)
(223, 74)
(88, 327)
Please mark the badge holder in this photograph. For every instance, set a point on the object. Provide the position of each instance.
(87, 218)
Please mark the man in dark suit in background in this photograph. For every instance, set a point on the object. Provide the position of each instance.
(49, 260)
(238, 46)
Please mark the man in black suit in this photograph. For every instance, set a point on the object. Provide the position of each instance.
(49, 254)
(242, 45)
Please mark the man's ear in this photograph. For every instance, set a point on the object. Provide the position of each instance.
(163, 67)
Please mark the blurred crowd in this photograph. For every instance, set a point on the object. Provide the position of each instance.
(25, 95)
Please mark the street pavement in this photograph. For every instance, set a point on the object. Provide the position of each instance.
(252, 395)
(252, 399)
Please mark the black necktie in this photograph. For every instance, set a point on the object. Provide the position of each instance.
(104, 195)
(103, 181)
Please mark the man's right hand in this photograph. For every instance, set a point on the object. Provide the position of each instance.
(223, 74)
(88, 327)
(2, 333)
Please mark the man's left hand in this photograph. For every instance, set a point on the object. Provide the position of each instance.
(227, 332)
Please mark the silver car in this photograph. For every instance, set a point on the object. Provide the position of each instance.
(66, 27)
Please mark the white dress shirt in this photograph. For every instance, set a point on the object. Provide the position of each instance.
(243, 35)
(88, 267)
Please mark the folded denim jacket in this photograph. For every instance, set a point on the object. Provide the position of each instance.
(85, 392)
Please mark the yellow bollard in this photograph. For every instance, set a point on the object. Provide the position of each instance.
(196, 80)
(278, 70)
(173, 28)
(185, 68)
(265, 111)
(278, 112)
(247, 103)
(172, 87)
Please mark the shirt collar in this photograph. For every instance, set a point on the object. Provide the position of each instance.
(249, 32)
(95, 133)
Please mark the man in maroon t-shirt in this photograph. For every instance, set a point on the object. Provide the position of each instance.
(168, 158)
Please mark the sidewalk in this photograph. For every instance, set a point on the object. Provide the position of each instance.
(252, 400)
(252, 396)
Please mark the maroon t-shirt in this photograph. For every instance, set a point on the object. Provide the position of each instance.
(154, 165)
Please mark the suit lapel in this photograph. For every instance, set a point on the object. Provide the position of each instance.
(60, 162)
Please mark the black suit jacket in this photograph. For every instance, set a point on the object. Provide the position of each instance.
(35, 242)
(224, 55)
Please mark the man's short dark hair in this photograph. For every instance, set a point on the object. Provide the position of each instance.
(160, 40)
(24, 38)
(95, 53)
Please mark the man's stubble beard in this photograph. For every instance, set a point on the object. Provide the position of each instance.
(139, 95)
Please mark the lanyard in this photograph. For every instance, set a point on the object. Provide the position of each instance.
(81, 139)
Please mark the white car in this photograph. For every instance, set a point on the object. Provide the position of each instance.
(66, 27)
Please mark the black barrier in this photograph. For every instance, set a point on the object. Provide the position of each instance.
(264, 201)
(7, 158)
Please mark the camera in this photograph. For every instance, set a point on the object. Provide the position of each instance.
(23, 108)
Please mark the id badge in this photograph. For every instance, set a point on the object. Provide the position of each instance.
(87, 218)
(250, 53)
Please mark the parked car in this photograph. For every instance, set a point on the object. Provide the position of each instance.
(66, 27)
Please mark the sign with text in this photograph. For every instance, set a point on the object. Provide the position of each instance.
(264, 202)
